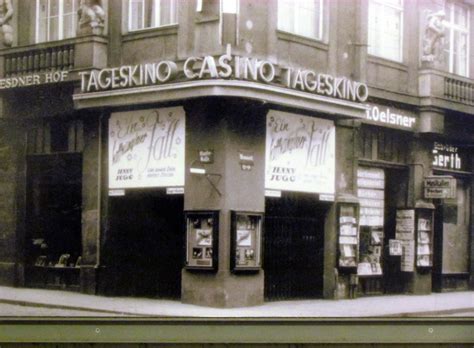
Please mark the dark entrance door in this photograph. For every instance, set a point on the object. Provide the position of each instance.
(294, 247)
(144, 250)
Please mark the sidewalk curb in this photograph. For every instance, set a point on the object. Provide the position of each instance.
(66, 307)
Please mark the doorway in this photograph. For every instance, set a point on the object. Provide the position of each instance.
(294, 246)
(144, 249)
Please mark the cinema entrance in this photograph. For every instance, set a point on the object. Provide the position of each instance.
(294, 246)
(144, 251)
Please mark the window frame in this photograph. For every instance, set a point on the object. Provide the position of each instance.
(156, 15)
(321, 34)
(401, 13)
(60, 16)
(453, 28)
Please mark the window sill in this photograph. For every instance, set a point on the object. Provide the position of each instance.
(171, 29)
(207, 19)
(387, 62)
(284, 35)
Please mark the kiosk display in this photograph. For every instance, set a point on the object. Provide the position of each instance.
(348, 228)
(201, 240)
(246, 241)
(424, 248)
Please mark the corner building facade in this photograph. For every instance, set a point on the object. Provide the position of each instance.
(227, 153)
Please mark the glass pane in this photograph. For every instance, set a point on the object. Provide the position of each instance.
(53, 29)
(305, 18)
(136, 17)
(460, 16)
(384, 31)
(285, 15)
(68, 6)
(54, 7)
(42, 22)
(69, 29)
(460, 54)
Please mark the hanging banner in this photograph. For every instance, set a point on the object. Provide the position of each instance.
(146, 148)
(299, 153)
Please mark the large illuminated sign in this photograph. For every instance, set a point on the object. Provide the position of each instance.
(226, 66)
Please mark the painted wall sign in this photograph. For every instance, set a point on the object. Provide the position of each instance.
(440, 187)
(390, 117)
(226, 66)
(146, 148)
(299, 153)
(447, 156)
(33, 79)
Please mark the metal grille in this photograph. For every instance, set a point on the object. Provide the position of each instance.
(294, 254)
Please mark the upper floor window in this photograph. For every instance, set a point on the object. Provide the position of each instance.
(386, 28)
(302, 17)
(457, 38)
(145, 14)
(56, 19)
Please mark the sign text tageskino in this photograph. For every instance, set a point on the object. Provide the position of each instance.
(228, 67)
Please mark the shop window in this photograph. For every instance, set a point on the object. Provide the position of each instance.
(144, 14)
(383, 145)
(56, 19)
(304, 17)
(57, 136)
(457, 38)
(386, 28)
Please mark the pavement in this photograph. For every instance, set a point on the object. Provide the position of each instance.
(460, 304)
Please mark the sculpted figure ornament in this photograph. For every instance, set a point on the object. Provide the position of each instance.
(6, 13)
(91, 17)
(433, 36)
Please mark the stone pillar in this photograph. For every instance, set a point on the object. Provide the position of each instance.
(226, 126)
(419, 160)
(337, 285)
(11, 155)
(91, 188)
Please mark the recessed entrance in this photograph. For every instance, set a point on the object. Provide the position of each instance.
(143, 253)
(294, 246)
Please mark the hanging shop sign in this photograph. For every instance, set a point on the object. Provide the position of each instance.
(226, 66)
(448, 156)
(440, 187)
(390, 117)
(146, 148)
(299, 153)
(33, 79)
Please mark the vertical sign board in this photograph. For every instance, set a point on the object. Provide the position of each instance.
(405, 233)
(299, 153)
(146, 148)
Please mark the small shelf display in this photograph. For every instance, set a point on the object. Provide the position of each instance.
(246, 234)
(348, 230)
(424, 246)
(201, 240)
(414, 234)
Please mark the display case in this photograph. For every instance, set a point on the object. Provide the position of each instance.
(246, 241)
(424, 239)
(202, 230)
(348, 231)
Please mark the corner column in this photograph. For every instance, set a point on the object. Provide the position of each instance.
(226, 126)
